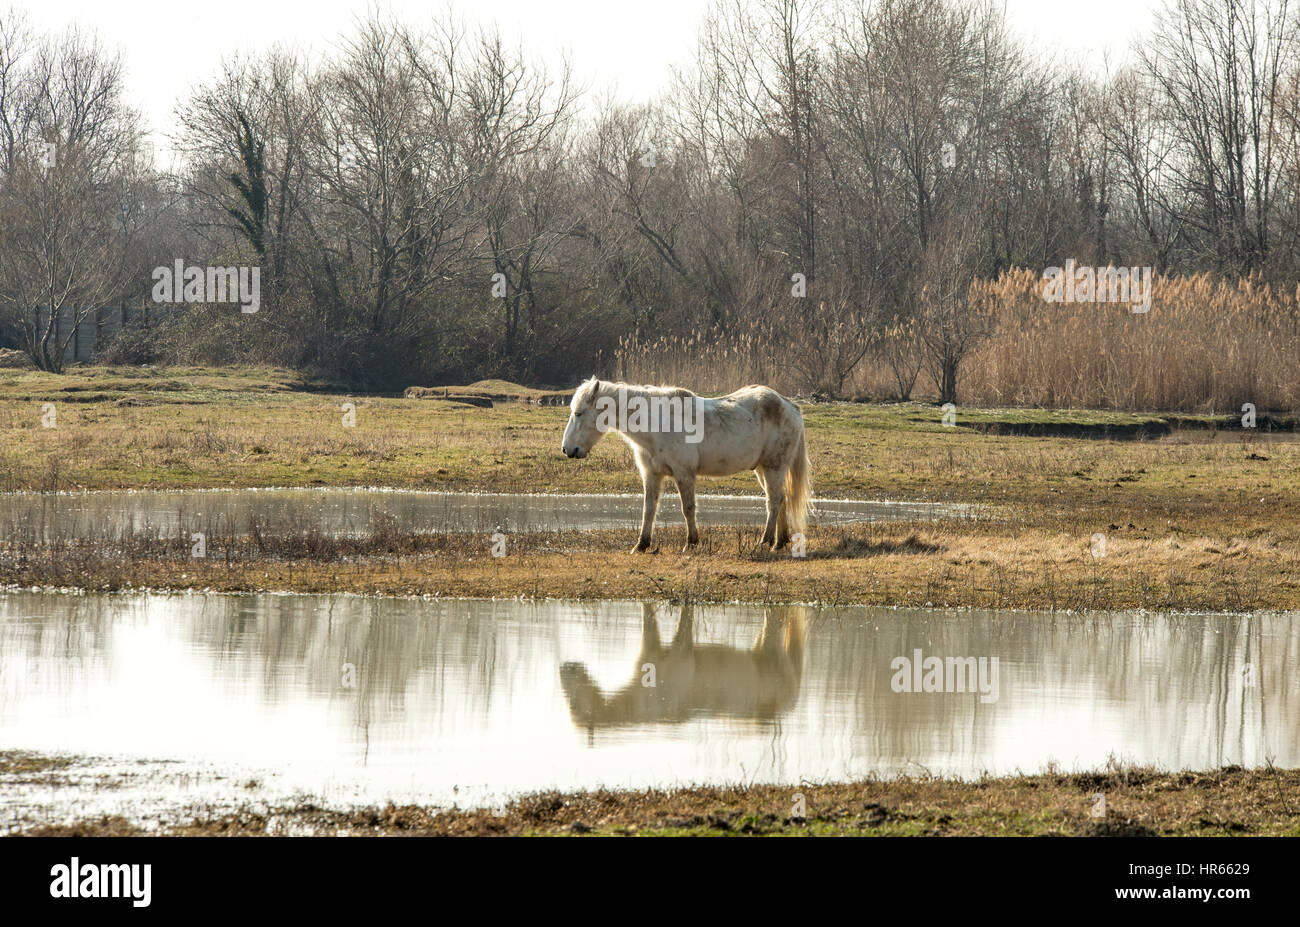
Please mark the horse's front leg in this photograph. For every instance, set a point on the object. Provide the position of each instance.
(653, 484)
(686, 489)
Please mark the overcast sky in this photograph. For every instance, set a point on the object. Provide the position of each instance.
(171, 45)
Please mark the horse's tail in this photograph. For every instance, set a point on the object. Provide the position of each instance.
(798, 487)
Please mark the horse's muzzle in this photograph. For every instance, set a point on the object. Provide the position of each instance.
(576, 453)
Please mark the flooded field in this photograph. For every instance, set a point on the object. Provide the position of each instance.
(208, 701)
(108, 514)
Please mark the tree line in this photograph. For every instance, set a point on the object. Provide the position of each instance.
(429, 204)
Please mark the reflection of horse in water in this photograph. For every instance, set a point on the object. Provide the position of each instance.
(694, 680)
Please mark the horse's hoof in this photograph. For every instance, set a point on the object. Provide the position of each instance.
(640, 548)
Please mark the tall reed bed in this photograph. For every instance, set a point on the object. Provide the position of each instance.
(1206, 344)
(716, 365)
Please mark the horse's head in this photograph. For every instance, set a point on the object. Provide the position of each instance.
(582, 432)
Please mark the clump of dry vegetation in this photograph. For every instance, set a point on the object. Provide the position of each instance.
(1040, 561)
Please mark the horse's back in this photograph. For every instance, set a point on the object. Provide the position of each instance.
(766, 404)
(751, 428)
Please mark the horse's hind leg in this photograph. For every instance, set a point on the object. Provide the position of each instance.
(774, 482)
(762, 483)
(783, 524)
(653, 484)
(686, 489)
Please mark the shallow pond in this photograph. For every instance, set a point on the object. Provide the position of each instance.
(213, 700)
(50, 516)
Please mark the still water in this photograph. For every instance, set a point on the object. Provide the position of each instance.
(108, 514)
(214, 700)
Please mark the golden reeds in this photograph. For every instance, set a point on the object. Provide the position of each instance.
(1206, 344)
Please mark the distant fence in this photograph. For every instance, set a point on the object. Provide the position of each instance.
(98, 329)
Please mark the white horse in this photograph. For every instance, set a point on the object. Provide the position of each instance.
(754, 428)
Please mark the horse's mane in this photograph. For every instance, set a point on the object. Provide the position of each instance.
(589, 389)
(584, 393)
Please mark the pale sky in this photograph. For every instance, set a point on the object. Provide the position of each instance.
(171, 45)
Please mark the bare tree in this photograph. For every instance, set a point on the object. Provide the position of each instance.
(71, 152)
(244, 137)
(1139, 135)
(1219, 67)
(950, 324)
(515, 140)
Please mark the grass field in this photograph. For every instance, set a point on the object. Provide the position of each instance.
(1199, 519)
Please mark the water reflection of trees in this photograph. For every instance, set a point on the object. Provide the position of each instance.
(1172, 686)
(112, 516)
(57, 641)
(115, 516)
(1175, 681)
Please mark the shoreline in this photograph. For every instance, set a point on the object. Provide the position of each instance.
(1230, 800)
